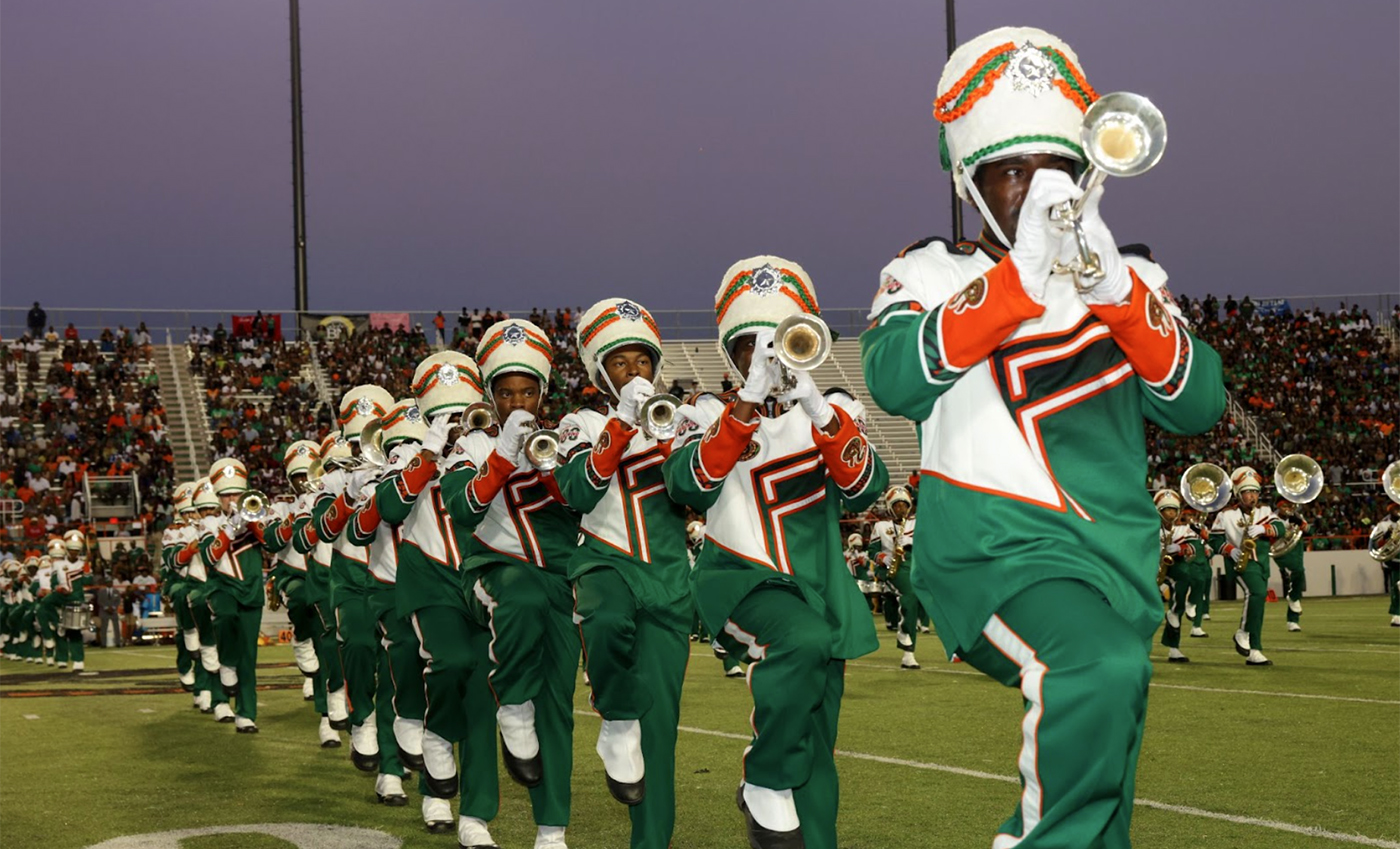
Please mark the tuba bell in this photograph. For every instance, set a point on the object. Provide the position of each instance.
(658, 417)
(1384, 542)
(1390, 481)
(1298, 478)
(1123, 135)
(372, 450)
(1206, 487)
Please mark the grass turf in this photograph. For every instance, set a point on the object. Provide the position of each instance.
(1221, 738)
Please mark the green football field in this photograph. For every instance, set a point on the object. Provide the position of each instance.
(1303, 754)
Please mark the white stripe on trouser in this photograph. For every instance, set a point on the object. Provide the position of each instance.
(1244, 609)
(479, 590)
(1032, 678)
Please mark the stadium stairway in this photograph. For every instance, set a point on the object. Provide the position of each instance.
(893, 438)
(187, 423)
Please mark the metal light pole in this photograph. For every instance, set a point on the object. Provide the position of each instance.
(952, 185)
(298, 177)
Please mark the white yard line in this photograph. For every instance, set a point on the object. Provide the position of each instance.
(1282, 695)
(1310, 831)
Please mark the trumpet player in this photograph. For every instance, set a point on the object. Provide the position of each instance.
(288, 582)
(429, 592)
(1242, 534)
(515, 571)
(174, 588)
(892, 541)
(209, 695)
(1030, 377)
(1180, 545)
(230, 546)
(631, 575)
(772, 467)
(1290, 565)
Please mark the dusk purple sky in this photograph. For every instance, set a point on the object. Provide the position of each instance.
(515, 154)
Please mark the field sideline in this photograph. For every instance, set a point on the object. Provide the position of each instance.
(1304, 754)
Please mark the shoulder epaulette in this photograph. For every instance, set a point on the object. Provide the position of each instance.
(923, 243)
(1137, 249)
(722, 397)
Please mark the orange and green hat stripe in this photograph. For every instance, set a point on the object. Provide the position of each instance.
(611, 316)
(429, 378)
(534, 340)
(982, 76)
(345, 418)
(799, 292)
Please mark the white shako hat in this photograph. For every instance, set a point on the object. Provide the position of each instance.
(360, 406)
(56, 548)
(695, 531)
(447, 382)
(1164, 498)
(854, 540)
(759, 292)
(1008, 92)
(514, 346)
(75, 541)
(299, 456)
(896, 494)
(184, 497)
(228, 476)
(334, 446)
(616, 323)
(1245, 478)
(404, 423)
(204, 495)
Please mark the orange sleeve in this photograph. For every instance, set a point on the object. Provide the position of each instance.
(338, 515)
(490, 478)
(722, 445)
(367, 519)
(609, 448)
(186, 554)
(846, 454)
(417, 475)
(1148, 334)
(975, 321)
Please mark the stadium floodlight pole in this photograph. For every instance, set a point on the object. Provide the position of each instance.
(951, 15)
(298, 177)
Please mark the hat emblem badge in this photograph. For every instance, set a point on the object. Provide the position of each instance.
(765, 281)
(513, 335)
(364, 406)
(629, 311)
(1031, 71)
(448, 375)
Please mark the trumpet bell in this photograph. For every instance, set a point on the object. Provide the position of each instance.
(478, 416)
(1298, 478)
(658, 417)
(802, 342)
(1390, 481)
(253, 506)
(1123, 134)
(542, 449)
(1206, 487)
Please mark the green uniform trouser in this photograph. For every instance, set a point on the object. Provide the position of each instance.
(534, 656)
(889, 605)
(1200, 575)
(636, 667)
(797, 687)
(909, 607)
(1391, 575)
(184, 621)
(48, 621)
(1295, 581)
(357, 636)
(196, 600)
(458, 705)
(1179, 579)
(332, 674)
(398, 661)
(1083, 674)
(1255, 581)
(306, 625)
(236, 632)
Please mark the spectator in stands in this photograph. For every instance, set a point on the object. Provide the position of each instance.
(38, 318)
(70, 333)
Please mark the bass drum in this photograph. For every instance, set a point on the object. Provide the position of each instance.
(75, 617)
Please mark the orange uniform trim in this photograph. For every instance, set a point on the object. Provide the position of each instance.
(367, 519)
(846, 454)
(491, 478)
(723, 443)
(973, 323)
(1145, 330)
(609, 448)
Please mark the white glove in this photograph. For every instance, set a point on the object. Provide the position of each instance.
(333, 481)
(518, 426)
(1038, 243)
(1236, 554)
(1174, 548)
(854, 408)
(1255, 531)
(631, 398)
(764, 373)
(436, 437)
(814, 404)
(234, 526)
(358, 480)
(1116, 286)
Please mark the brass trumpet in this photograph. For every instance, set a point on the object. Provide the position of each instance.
(658, 417)
(253, 506)
(801, 342)
(1123, 135)
(479, 416)
(542, 449)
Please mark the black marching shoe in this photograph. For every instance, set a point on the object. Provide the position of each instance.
(627, 794)
(362, 762)
(526, 771)
(762, 838)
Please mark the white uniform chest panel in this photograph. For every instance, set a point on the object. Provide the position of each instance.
(617, 519)
(1234, 523)
(781, 473)
(429, 529)
(885, 533)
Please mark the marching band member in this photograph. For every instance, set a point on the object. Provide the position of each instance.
(1290, 565)
(231, 548)
(1243, 534)
(771, 580)
(351, 584)
(72, 574)
(1199, 571)
(50, 603)
(892, 543)
(317, 588)
(288, 584)
(209, 695)
(12, 590)
(1390, 569)
(173, 586)
(30, 636)
(515, 570)
(1031, 392)
(429, 591)
(399, 698)
(630, 573)
(1179, 546)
